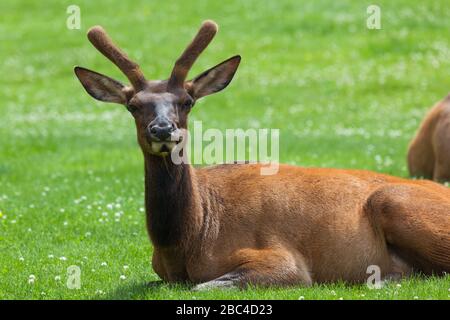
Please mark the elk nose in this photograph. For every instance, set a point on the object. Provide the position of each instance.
(161, 130)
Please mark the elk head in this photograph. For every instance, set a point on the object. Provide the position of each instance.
(160, 107)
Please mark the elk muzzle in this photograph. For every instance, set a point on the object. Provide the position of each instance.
(160, 129)
(161, 135)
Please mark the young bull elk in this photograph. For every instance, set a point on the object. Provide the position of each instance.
(429, 151)
(228, 225)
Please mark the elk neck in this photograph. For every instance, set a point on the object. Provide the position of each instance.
(172, 202)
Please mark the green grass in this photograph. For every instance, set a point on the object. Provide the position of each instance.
(342, 95)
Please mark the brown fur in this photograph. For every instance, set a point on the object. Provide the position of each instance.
(228, 225)
(429, 151)
(303, 225)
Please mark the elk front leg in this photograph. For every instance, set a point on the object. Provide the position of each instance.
(266, 267)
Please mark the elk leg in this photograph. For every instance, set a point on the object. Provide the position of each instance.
(265, 267)
(415, 221)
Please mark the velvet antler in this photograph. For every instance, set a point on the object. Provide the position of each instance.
(100, 39)
(184, 63)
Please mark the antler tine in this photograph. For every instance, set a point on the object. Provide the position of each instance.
(100, 39)
(184, 63)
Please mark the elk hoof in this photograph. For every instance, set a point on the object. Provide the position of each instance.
(215, 284)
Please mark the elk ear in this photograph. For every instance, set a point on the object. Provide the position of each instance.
(214, 79)
(102, 87)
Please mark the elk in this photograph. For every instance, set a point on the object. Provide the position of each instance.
(229, 226)
(429, 151)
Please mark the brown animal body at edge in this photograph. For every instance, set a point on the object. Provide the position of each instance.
(228, 225)
(429, 151)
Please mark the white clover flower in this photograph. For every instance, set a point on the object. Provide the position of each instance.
(62, 258)
(50, 256)
(301, 298)
(21, 259)
(123, 277)
(57, 278)
(104, 264)
(126, 268)
(31, 279)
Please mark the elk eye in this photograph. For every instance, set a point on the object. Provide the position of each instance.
(132, 108)
(188, 103)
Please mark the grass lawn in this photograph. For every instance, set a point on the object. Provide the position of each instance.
(71, 172)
